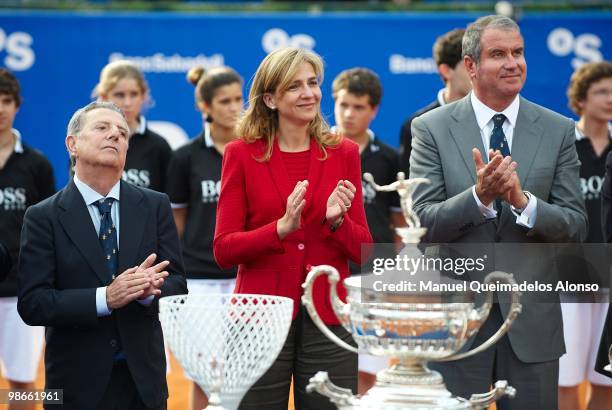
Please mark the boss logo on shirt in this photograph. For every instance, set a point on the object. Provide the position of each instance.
(13, 199)
(591, 187)
(369, 193)
(210, 190)
(139, 177)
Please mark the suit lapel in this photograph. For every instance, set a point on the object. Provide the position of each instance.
(466, 134)
(526, 139)
(76, 221)
(133, 216)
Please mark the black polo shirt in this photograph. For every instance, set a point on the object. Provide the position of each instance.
(147, 159)
(382, 161)
(194, 182)
(26, 179)
(592, 171)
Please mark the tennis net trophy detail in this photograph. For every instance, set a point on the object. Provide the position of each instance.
(410, 327)
(225, 342)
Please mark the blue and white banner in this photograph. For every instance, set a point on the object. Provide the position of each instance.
(58, 56)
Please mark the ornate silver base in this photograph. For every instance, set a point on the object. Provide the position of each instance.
(406, 386)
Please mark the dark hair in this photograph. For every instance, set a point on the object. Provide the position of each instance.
(583, 78)
(447, 48)
(359, 81)
(207, 82)
(9, 85)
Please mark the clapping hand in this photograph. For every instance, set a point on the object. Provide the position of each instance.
(494, 179)
(155, 273)
(340, 201)
(290, 221)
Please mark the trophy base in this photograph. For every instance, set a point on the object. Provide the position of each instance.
(406, 386)
(411, 386)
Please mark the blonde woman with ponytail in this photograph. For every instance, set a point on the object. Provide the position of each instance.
(193, 184)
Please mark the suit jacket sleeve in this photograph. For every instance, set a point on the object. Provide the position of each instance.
(446, 219)
(169, 249)
(354, 230)
(562, 218)
(233, 243)
(39, 303)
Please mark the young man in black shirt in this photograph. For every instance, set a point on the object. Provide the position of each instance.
(590, 96)
(447, 54)
(26, 177)
(357, 93)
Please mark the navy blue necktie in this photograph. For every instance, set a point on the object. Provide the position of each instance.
(498, 139)
(108, 236)
(499, 143)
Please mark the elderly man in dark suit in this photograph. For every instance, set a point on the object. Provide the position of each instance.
(87, 272)
(502, 169)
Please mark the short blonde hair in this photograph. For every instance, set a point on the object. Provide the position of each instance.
(275, 74)
(116, 71)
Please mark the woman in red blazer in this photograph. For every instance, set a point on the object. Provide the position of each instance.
(291, 199)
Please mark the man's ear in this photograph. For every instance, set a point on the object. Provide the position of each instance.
(470, 66)
(269, 100)
(71, 142)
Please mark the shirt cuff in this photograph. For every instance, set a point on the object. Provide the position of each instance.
(146, 301)
(487, 211)
(527, 217)
(101, 306)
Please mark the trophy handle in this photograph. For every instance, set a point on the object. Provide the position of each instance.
(484, 400)
(338, 306)
(339, 396)
(481, 314)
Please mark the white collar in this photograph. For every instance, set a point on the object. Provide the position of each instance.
(580, 136)
(18, 145)
(90, 195)
(207, 138)
(484, 114)
(142, 125)
(441, 100)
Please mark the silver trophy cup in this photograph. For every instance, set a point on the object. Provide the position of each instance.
(225, 342)
(411, 328)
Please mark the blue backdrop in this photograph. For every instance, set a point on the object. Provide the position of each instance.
(58, 56)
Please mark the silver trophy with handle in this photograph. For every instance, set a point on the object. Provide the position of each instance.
(410, 328)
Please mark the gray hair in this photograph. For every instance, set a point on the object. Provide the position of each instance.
(75, 126)
(473, 33)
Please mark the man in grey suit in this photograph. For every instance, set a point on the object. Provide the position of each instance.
(502, 169)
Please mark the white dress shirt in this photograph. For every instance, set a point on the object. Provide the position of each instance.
(484, 118)
(90, 196)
